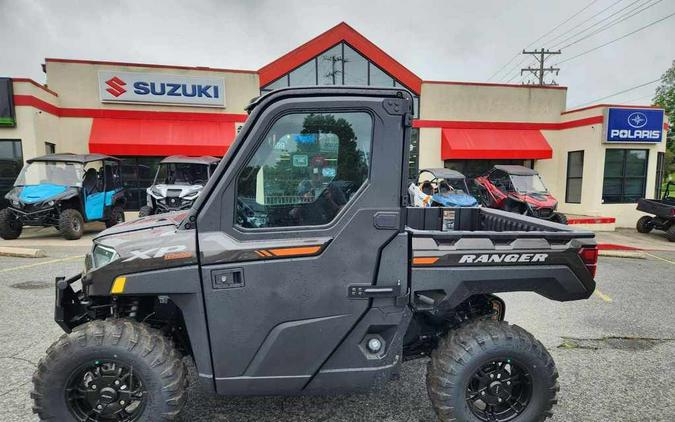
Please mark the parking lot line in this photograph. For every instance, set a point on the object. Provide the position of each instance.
(602, 296)
(662, 259)
(22, 267)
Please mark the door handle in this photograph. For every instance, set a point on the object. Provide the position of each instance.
(367, 291)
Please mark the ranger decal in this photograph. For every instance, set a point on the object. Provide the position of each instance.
(499, 258)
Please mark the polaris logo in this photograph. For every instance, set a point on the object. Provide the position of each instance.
(503, 258)
(149, 88)
(635, 134)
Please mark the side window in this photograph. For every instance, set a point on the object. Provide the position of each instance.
(306, 169)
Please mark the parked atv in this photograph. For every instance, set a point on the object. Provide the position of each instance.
(178, 182)
(664, 213)
(447, 188)
(518, 189)
(64, 191)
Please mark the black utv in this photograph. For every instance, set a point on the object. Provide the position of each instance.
(64, 191)
(329, 285)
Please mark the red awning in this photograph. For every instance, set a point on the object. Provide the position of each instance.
(160, 137)
(494, 144)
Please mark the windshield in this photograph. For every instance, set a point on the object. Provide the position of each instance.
(452, 186)
(181, 174)
(51, 173)
(528, 184)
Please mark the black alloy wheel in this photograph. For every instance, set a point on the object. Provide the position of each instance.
(499, 391)
(106, 390)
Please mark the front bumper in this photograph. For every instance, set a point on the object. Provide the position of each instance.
(68, 306)
(30, 215)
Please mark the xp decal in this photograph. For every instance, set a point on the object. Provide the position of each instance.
(143, 87)
(155, 252)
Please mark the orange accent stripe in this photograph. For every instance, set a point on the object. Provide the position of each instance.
(303, 250)
(260, 253)
(424, 260)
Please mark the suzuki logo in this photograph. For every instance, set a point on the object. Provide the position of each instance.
(116, 86)
(637, 120)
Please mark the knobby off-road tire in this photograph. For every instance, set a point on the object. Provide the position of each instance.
(71, 224)
(455, 364)
(670, 233)
(152, 357)
(144, 211)
(644, 224)
(10, 227)
(116, 216)
(559, 218)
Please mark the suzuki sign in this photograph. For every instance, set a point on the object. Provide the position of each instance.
(634, 125)
(160, 88)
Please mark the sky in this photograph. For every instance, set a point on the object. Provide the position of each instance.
(437, 40)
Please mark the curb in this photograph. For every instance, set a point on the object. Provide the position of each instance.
(636, 254)
(22, 252)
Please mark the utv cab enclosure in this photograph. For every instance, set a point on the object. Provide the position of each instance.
(64, 191)
(447, 187)
(518, 189)
(301, 269)
(178, 182)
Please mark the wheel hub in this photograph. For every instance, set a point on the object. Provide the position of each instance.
(108, 390)
(499, 391)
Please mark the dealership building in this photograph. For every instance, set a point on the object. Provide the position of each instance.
(597, 161)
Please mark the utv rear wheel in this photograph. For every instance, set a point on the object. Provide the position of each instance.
(559, 218)
(491, 371)
(10, 226)
(645, 224)
(144, 211)
(71, 224)
(670, 233)
(113, 370)
(116, 216)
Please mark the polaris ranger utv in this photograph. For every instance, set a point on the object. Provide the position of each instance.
(64, 191)
(178, 182)
(327, 286)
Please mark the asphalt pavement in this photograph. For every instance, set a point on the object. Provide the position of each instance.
(613, 351)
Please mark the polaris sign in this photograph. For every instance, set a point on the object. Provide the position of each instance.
(160, 88)
(634, 125)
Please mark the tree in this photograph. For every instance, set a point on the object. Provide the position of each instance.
(665, 97)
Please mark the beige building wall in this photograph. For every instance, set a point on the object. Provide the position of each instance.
(77, 85)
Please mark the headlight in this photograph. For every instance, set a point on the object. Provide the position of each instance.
(103, 255)
(191, 196)
(50, 203)
(16, 203)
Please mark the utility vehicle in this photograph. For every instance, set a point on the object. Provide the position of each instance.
(663, 210)
(447, 187)
(64, 191)
(328, 286)
(518, 189)
(178, 182)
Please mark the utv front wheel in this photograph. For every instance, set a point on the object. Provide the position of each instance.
(10, 226)
(113, 370)
(116, 216)
(71, 224)
(491, 371)
(559, 218)
(645, 224)
(144, 211)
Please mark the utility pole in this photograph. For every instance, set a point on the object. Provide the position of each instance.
(334, 70)
(539, 72)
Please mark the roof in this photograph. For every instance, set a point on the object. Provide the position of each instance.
(517, 170)
(337, 34)
(443, 173)
(73, 158)
(205, 159)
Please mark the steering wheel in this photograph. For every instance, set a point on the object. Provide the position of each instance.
(199, 182)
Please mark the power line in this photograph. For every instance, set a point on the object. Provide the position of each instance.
(616, 39)
(533, 42)
(609, 25)
(588, 19)
(618, 93)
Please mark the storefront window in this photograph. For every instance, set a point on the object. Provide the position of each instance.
(414, 158)
(11, 161)
(625, 177)
(473, 168)
(138, 173)
(661, 181)
(575, 172)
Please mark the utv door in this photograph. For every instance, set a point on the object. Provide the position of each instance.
(299, 213)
